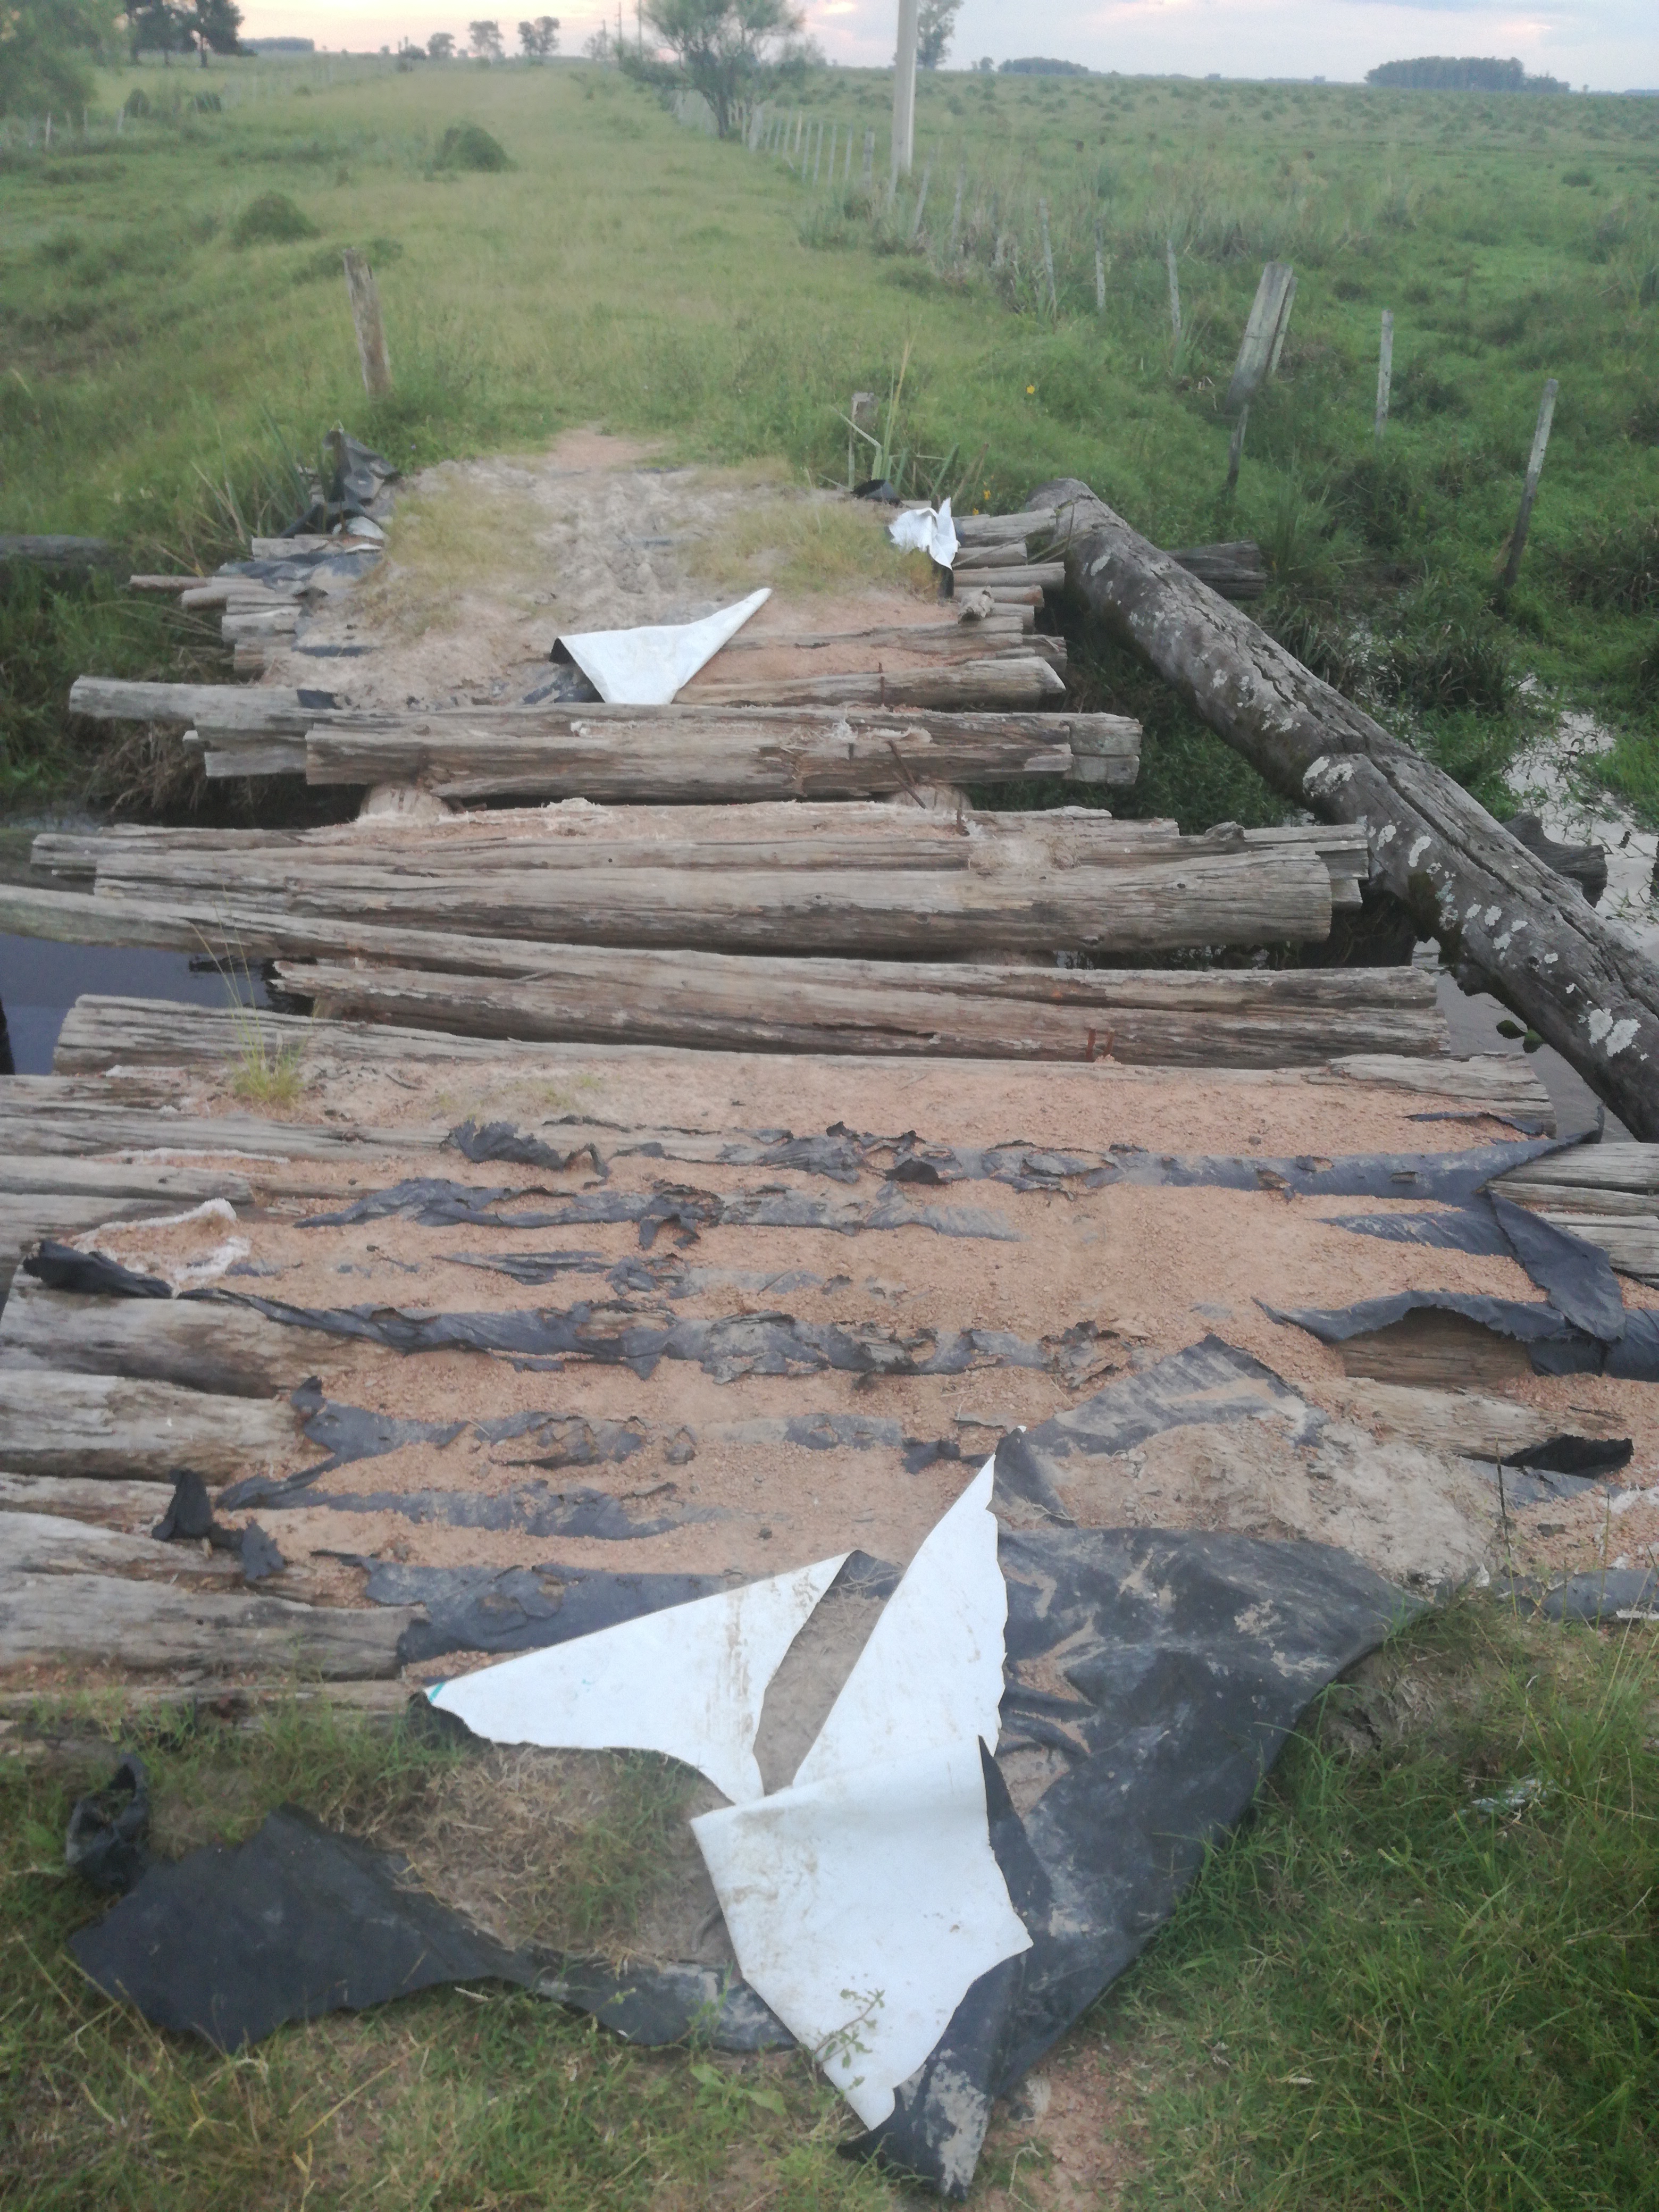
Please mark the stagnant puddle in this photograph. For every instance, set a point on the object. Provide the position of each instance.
(40, 982)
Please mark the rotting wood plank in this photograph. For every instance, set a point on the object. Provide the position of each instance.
(1464, 1423)
(255, 707)
(55, 1422)
(25, 1218)
(710, 1002)
(39, 1541)
(134, 1507)
(1018, 683)
(152, 1628)
(1511, 924)
(65, 1116)
(1143, 904)
(198, 1344)
(132, 1031)
(163, 1184)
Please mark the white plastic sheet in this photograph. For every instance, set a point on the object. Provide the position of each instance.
(647, 667)
(918, 529)
(688, 1681)
(864, 1900)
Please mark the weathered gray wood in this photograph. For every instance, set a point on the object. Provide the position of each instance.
(1540, 439)
(1461, 1422)
(198, 1344)
(1006, 529)
(1264, 335)
(1016, 684)
(1498, 1083)
(168, 1187)
(165, 584)
(1237, 570)
(253, 707)
(53, 1117)
(1384, 376)
(25, 1219)
(994, 553)
(39, 1541)
(104, 1621)
(1630, 1241)
(1592, 1169)
(947, 640)
(1586, 865)
(1510, 925)
(989, 895)
(364, 295)
(60, 553)
(1017, 576)
(134, 1507)
(904, 90)
(62, 1422)
(971, 1011)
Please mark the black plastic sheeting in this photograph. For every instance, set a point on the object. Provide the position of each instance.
(1177, 1710)
(1575, 1275)
(297, 1921)
(726, 1347)
(1553, 1346)
(89, 1274)
(432, 1202)
(500, 1141)
(108, 1840)
(189, 1519)
(345, 1433)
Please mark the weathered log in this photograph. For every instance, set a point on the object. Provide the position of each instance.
(1223, 1019)
(39, 1541)
(1459, 1422)
(64, 555)
(166, 1186)
(1586, 865)
(1237, 570)
(695, 753)
(1592, 1171)
(1005, 529)
(1508, 922)
(55, 1422)
(197, 1343)
(998, 553)
(1032, 575)
(56, 1116)
(947, 640)
(219, 706)
(25, 1218)
(151, 1628)
(1154, 902)
(134, 1507)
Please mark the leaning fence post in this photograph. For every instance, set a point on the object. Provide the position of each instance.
(1175, 288)
(1384, 373)
(1235, 449)
(1100, 272)
(1047, 259)
(1540, 438)
(365, 298)
(956, 211)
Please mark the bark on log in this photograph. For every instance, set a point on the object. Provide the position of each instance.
(60, 1423)
(198, 1345)
(134, 1507)
(102, 1620)
(707, 1001)
(1509, 924)
(221, 706)
(40, 1541)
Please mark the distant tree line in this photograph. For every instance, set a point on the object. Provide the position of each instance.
(185, 27)
(1446, 73)
(1040, 65)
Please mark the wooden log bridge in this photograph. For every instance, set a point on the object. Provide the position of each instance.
(682, 752)
(1507, 921)
(763, 878)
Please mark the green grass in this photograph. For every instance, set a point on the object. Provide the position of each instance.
(1377, 1993)
(710, 299)
(1381, 1994)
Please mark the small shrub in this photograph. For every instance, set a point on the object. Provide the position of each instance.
(470, 146)
(1324, 648)
(208, 103)
(1579, 177)
(1378, 495)
(1419, 390)
(272, 219)
(138, 102)
(1349, 287)
(1617, 568)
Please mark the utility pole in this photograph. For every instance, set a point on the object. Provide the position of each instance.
(904, 90)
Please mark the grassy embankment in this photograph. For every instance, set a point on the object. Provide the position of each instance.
(162, 374)
(1383, 1992)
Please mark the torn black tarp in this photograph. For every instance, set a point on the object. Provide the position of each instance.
(345, 1433)
(296, 1922)
(500, 1141)
(726, 1347)
(1575, 1275)
(435, 1203)
(89, 1274)
(1554, 1346)
(107, 1842)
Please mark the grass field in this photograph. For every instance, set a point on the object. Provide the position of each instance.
(165, 368)
(1384, 1993)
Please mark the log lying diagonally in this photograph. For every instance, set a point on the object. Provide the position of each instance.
(1508, 923)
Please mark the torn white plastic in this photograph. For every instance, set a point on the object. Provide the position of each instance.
(647, 667)
(920, 530)
(862, 1909)
(873, 1873)
(931, 1674)
(688, 1681)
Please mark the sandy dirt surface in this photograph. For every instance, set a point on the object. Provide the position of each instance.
(489, 561)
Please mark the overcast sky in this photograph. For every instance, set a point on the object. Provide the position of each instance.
(1611, 45)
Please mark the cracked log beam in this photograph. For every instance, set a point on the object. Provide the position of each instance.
(1508, 923)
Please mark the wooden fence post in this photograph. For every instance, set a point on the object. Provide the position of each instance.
(1175, 288)
(869, 160)
(1047, 259)
(1100, 272)
(921, 202)
(1384, 375)
(365, 298)
(956, 211)
(1540, 438)
(904, 90)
